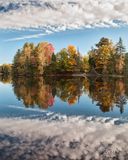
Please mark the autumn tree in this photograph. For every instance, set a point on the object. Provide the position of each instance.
(62, 60)
(16, 63)
(32, 60)
(74, 58)
(86, 63)
(91, 61)
(99, 58)
(103, 54)
(52, 67)
(69, 60)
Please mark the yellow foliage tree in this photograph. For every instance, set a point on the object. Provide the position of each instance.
(101, 56)
(72, 50)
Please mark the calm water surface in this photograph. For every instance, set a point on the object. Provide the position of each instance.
(70, 96)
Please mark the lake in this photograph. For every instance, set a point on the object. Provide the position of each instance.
(92, 96)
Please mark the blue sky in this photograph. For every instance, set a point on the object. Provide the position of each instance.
(84, 39)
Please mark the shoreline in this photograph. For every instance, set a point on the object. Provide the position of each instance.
(84, 75)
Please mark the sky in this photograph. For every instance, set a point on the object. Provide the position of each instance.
(84, 39)
(77, 22)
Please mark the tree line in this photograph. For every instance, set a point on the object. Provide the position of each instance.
(105, 58)
(41, 59)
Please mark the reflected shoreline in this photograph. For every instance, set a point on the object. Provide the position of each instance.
(106, 92)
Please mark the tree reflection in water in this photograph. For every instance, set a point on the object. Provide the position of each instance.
(33, 91)
(5, 79)
(107, 93)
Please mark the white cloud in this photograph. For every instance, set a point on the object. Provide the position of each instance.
(28, 36)
(59, 15)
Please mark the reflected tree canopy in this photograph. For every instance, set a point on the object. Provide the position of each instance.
(33, 91)
(5, 79)
(106, 93)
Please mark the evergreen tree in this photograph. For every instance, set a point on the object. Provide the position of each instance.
(120, 48)
(120, 57)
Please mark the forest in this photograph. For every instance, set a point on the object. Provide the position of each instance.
(105, 58)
